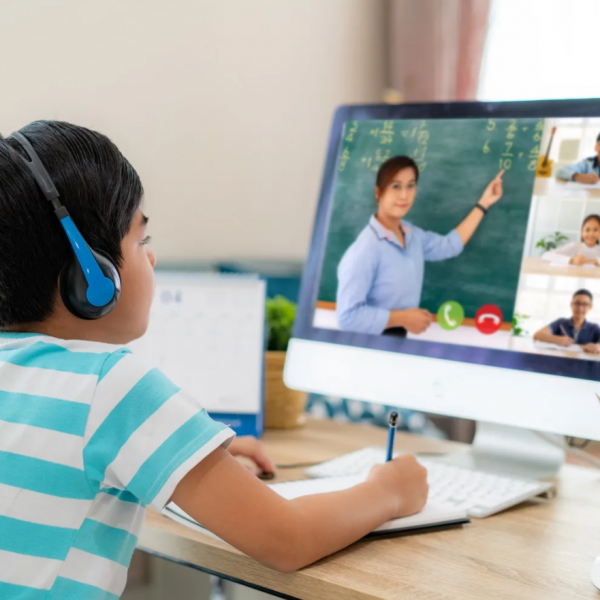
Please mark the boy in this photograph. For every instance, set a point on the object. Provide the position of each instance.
(89, 435)
(576, 330)
(585, 171)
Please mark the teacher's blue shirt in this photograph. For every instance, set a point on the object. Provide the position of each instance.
(377, 275)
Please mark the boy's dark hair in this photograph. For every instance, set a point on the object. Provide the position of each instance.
(390, 167)
(97, 185)
(584, 293)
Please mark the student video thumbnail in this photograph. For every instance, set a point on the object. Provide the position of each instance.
(440, 228)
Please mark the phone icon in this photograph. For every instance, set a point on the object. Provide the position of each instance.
(494, 318)
(450, 315)
(488, 319)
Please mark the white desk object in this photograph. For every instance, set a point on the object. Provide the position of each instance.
(206, 333)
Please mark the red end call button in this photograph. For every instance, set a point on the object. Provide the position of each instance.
(488, 319)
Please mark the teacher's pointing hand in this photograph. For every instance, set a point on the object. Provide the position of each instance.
(493, 192)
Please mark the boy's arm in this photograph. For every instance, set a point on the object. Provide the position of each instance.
(289, 534)
(547, 334)
(569, 172)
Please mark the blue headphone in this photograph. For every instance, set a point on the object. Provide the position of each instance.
(89, 283)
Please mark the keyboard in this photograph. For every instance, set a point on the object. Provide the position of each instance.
(480, 493)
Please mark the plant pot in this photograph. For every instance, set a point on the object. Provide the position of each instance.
(284, 408)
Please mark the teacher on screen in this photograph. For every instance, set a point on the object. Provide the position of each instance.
(380, 276)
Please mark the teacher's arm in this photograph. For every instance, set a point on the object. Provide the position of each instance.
(491, 195)
(356, 276)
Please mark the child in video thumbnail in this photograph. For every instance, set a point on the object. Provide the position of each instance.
(585, 171)
(584, 252)
(575, 330)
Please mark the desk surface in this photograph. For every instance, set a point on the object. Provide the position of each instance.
(526, 344)
(540, 550)
(550, 186)
(535, 265)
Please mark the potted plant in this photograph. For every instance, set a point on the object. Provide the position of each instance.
(284, 408)
(518, 325)
(552, 241)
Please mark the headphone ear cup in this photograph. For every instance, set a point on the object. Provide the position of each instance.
(73, 287)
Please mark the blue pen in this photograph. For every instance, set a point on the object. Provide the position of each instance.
(391, 434)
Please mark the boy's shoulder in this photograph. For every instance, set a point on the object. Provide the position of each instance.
(79, 357)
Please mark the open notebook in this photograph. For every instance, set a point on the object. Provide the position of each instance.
(432, 516)
(550, 346)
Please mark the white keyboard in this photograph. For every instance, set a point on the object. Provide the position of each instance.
(480, 493)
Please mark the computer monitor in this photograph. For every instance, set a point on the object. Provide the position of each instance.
(500, 327)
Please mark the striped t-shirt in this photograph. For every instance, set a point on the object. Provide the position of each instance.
(89, 436)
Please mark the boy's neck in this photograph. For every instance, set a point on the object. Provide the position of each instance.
(71, 328)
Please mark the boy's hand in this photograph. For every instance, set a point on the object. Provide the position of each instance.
(586, 178)
(592, 348)
(563, 340)
(406, 480)
(249, 447)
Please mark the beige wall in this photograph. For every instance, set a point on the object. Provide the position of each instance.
(223, 106)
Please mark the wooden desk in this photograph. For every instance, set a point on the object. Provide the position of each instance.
(541, 550)
(550, 186)
(534, 265)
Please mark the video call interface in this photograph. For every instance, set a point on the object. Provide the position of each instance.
(477, 232)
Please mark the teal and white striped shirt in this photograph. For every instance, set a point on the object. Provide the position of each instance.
(89, 436)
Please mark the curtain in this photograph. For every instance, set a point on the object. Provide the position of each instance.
(436, 48)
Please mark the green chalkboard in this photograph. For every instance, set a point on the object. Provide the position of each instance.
(457, 158)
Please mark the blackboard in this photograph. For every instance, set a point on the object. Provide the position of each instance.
(457, 159)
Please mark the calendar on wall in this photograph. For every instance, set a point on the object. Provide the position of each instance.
(207, 334)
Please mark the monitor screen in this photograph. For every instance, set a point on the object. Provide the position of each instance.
(467, 232)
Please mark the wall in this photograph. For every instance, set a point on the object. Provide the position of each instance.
(223, 106)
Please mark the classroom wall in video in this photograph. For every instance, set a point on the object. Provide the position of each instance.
(457, 159)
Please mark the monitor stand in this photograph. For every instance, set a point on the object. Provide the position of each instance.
(512, 451)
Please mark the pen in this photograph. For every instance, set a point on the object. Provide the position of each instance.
(566, 335)
(391, 434)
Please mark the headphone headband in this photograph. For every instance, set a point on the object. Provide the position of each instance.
(37, 169)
